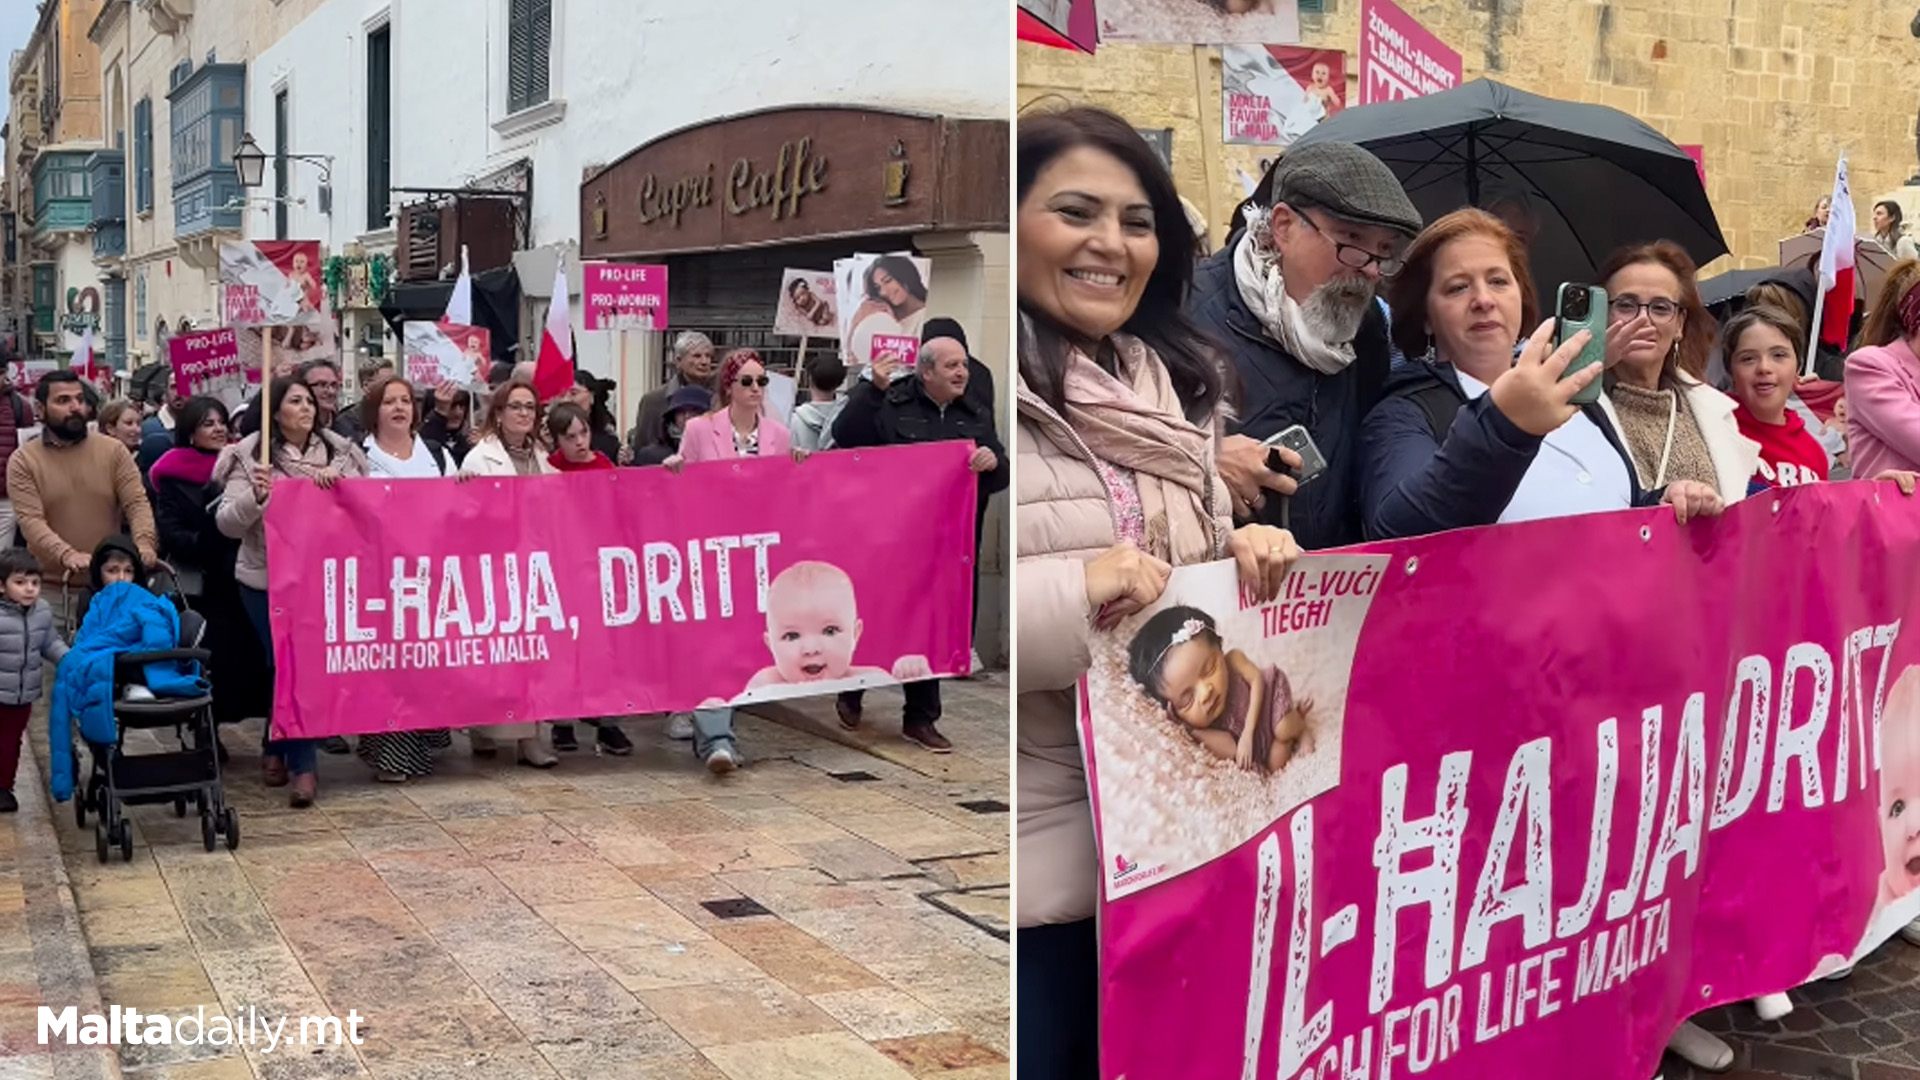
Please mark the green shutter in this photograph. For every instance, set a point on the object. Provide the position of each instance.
(529, 52)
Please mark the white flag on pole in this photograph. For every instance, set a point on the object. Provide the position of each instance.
(460, 304)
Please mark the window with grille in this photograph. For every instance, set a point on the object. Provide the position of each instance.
(529, 52)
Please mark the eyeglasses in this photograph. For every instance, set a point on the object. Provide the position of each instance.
(754, 380)
(323, 384)
(520, 407)
(1351, 257)
(1660, 310)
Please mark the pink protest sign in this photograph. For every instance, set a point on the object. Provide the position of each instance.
(207, 363)
(904, 347)
(1499, 807)
(731, 582)
(1399, 59)
(624, 296)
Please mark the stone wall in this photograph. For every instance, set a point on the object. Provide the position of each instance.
(1773, 89)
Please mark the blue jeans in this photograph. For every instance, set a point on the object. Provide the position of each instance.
(713, 728)
(299, 754)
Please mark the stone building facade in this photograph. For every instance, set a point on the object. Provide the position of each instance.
(1772, 89)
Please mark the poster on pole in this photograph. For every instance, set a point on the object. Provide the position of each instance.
(270, 282)
(445, 354)
(807, 307)
(880, 295)
(1199, 22)
(312, 337)
(1399, 59)
(623, 296)
(1273, 94)
(206, 363)
(1425, 814)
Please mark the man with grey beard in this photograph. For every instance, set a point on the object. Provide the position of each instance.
(1291, 298)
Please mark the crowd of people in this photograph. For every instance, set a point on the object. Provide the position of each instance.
(1149, 385)
(187, 484)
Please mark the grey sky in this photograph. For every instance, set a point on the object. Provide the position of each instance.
(16, 25)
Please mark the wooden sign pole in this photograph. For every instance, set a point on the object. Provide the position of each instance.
(266, 397)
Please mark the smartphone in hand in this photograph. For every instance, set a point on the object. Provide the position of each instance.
(1577, 308)
(1298, 440)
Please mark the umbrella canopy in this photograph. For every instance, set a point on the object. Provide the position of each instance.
(1062, 24)
(1583, 180)
(1871, 262)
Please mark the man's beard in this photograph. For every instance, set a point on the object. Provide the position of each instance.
(71, 430)
(1334, 311)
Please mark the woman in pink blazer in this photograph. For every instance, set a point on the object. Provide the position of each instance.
(1883, 381)
(741, 426)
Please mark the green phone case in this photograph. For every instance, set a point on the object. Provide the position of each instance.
(1595, 323)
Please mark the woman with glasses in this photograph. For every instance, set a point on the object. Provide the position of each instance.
(508, 446)
(1659, 336)
(1466, 435)
(739, 428)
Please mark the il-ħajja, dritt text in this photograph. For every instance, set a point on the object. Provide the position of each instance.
(453, 611)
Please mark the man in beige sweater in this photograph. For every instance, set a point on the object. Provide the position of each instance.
(70, 491)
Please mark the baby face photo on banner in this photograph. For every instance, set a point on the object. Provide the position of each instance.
(1207, 719)
(312, 338)
(1273, 94)
(807, 306)
(880, 295)
(440, 354)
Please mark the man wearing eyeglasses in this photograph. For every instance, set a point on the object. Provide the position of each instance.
(1291, 297)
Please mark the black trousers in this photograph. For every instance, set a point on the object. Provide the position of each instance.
(1059, 975)
(923, 702)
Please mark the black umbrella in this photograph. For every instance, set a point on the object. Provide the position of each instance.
(1591, 179)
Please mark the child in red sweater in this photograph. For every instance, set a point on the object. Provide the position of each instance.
(1762, 347)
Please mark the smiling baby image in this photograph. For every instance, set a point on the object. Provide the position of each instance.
(813, 627)
(1900, 787)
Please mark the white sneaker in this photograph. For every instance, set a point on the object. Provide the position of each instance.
(1772, 1006)
(680, 726)
(720, 762)
(1911, 932)
(1701, 1048)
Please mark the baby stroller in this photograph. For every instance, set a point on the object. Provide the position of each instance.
(120, 779)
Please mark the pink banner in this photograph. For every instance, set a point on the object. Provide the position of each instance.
(207, 362)
(1399, 59)
(1505, 800)
(623, 296)
(616, 593)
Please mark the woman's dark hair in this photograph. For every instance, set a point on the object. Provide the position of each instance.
(826, 371)
(561, 417)
(1883, 318)
(1150, 645)
(276, 397)
(901, 269)
(1161, 320)
(194, 412)
(1895, 215)
(497, 407)
(376, 396)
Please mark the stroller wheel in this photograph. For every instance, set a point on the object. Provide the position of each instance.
(80, 808)
(126, 840)
(180, 807)
(100, 839)
(206, 831)
(230, 825)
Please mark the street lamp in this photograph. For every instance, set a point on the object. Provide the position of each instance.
(250, 162)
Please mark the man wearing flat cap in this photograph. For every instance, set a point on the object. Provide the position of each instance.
(1291, 297)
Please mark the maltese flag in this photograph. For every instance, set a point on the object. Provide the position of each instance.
(1836, 262)
(82, 361)
(553, 372)
(460, 304)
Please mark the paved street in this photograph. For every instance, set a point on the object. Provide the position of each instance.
(838, 909)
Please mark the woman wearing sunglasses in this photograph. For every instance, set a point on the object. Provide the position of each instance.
(741, 426)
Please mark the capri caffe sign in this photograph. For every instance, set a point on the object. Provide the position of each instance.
(796, 174)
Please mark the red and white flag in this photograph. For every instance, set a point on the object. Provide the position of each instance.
(553, 371)
(1836, 262)
(82, 359)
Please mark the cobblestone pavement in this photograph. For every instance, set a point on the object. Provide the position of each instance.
(837, 909)
(1863, 1027)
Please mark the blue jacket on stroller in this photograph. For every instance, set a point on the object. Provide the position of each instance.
(122, 618)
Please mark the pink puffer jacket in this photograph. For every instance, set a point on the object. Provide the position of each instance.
(1064, 521)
